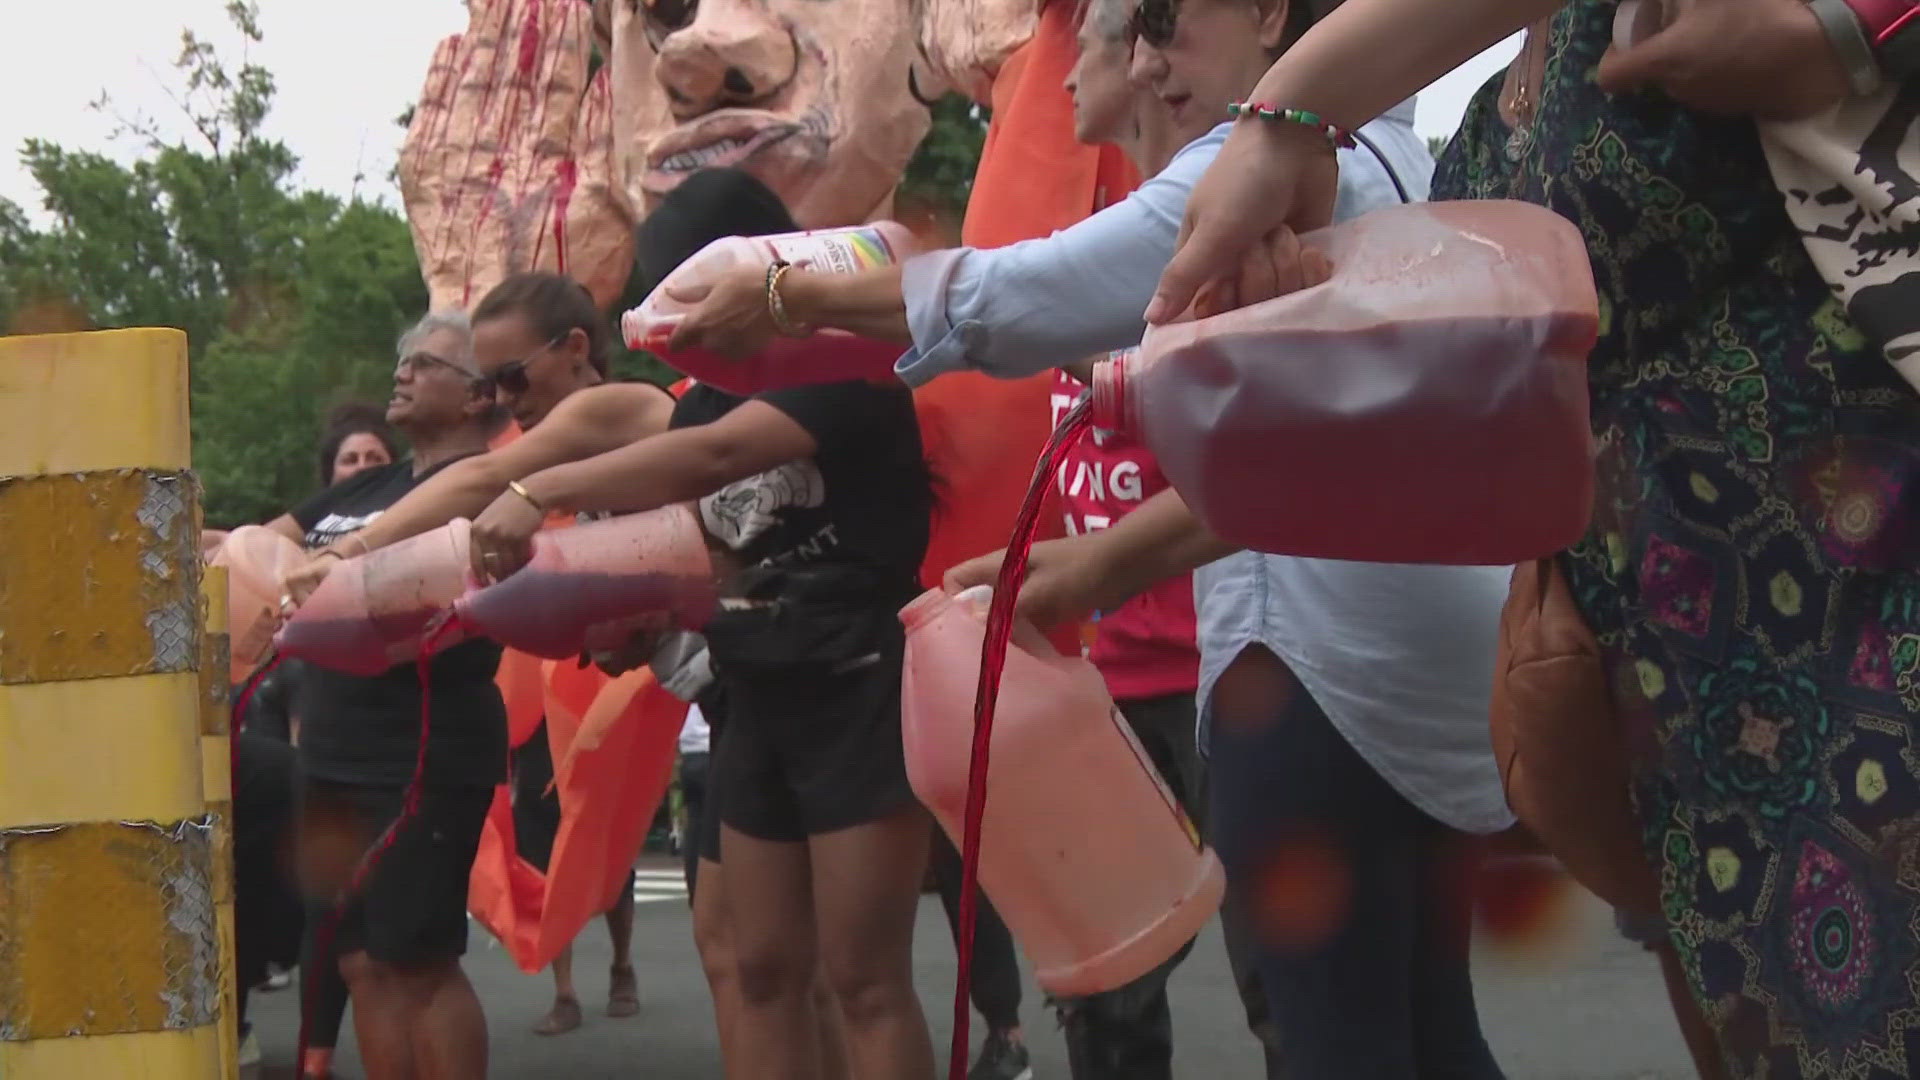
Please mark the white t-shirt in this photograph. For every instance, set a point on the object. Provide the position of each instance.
(694, 736)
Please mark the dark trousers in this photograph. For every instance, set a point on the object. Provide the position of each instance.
(996, 970)
(1127, 1034)
(266, 906)
(1374, 982)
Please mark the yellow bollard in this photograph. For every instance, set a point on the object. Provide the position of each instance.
(110, 949)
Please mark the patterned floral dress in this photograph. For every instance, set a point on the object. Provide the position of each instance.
(1753, 571)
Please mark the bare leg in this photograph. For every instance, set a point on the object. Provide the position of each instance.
(866, 892)
(714, 940)
(769, 906)
(383, 1017)
(623, 990)
(450, 1035)
(565, 1014)
(1701, 1042)
(833, 1030)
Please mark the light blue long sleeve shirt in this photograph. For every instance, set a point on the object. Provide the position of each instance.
(1022, 309)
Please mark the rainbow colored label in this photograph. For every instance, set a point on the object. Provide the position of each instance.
(838, 251)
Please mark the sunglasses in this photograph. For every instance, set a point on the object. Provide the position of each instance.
(419, 362)
(1154, 21)
(512, 376)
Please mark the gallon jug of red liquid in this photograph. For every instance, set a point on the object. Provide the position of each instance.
(257, 559)
(592, 586)
(1427, 404)
(374, 611)
(829, 356)
(1083, 850)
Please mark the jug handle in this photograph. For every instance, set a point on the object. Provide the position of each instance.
(1031, 641)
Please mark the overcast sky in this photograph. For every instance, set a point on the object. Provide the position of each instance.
(344, 70)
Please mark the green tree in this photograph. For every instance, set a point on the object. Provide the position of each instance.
(1436, 144)
(291, 299)
(940, 175)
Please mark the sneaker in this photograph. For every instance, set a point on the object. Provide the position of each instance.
(249, 1051)
(1001, 1059)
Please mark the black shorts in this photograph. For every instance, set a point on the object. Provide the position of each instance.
(413, 906)
(812, 754)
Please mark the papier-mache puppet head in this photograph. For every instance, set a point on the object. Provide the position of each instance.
(549, 127)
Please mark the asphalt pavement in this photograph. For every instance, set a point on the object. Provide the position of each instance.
(1582, 1004)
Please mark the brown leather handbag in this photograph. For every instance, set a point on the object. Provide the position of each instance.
(1557, 738)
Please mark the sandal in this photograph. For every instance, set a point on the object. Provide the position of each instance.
(562, 1018)
(623, 993)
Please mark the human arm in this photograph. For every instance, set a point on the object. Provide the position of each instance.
(1361, 58)
(734, 318)
(1011, 312)
(286, 526)
(1101, 570)
(677, 466)
(586, 423)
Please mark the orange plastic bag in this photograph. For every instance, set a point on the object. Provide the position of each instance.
(613, 744)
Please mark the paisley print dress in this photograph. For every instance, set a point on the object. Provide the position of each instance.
(1753, 570)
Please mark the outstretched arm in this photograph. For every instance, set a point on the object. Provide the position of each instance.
(675, 467)
(1099, 571)
(587, 423)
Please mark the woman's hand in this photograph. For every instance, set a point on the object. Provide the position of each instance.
(502, 537)
(1763, 58)
(1067, 580)
(1271, 179)
(302, 582)
(730, 317)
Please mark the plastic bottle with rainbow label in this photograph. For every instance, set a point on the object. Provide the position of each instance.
(828, 356)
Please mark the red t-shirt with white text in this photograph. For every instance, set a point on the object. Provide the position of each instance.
(1146, 649)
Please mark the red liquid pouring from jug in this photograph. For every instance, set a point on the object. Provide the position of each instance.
(993, 659)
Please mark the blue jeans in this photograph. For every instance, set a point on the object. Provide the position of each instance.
(1360, 903)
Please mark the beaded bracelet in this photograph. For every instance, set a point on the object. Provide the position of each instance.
(1336, 135)
(776, 307)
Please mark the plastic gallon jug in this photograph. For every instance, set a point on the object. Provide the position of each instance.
(257, 559)
(591, 586)
(1083, 850)
(1427, 404)
(828, 356)
(373, 611)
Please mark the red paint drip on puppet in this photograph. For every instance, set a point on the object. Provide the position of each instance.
(529, 42)
(566, 175)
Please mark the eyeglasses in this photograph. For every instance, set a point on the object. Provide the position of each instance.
(415, 363)
(1154, 21)
(512, 376)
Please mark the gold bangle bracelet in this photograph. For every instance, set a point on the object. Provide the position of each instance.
(777, 307)
(520, 489)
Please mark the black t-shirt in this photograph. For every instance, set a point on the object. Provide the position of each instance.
(366, 730)
(862, 500)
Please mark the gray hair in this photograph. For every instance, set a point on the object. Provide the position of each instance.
(1109, 20)
(453, 321)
